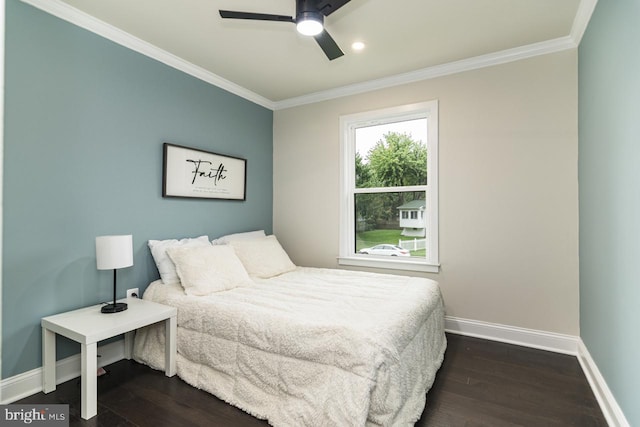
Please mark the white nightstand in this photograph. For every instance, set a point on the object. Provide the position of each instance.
(88, 326)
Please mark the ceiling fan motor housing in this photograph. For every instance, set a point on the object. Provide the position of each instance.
(306, 6)
(308, 10)
(313, 16)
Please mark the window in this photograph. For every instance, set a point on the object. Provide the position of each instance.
(389, 173)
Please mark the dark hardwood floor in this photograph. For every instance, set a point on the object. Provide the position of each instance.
(481, 383)
(485, 383)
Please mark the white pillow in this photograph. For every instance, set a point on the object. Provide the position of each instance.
(204, 270)
(238, 236)
(263, 257)
(166, 268)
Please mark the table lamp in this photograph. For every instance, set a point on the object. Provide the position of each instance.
(113, 252)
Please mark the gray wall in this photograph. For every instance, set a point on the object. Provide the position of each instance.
(609, 175)
(84, 127)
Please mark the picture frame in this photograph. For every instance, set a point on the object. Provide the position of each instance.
(194, 173)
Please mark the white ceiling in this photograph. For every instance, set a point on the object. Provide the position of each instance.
(271, 63)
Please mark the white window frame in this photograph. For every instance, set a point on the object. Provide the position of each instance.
(348, 125)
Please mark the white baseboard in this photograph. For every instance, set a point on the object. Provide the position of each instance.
(558, 343)
(30, 382)
(610, 408)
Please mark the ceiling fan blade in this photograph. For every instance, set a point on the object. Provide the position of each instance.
(255, 16)
(327, 7)
(328, 45)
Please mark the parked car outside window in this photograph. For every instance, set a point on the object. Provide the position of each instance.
(390, 250)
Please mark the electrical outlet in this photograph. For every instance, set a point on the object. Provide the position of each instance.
(132, 291)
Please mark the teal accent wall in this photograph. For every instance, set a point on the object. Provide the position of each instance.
(609, 178)
(85, 120)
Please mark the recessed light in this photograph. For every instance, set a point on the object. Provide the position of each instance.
(357, 46)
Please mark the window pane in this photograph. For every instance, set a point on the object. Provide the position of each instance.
(392, 218)
(392, 154)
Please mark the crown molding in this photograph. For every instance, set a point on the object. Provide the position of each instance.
(496, 58)
(579, 26)
(580, 22)
(83, 20)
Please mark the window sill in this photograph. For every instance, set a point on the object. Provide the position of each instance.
(382, 262)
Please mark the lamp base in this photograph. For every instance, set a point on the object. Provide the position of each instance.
(114, 308)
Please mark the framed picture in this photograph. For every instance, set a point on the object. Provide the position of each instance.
(189, 172)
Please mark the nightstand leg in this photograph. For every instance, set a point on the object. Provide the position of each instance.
(128, 344)
(170, 337)
(89, 381)
(48, 360)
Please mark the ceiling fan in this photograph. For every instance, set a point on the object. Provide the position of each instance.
(309, 21)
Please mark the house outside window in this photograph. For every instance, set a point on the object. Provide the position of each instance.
(389, 188)
(409, 223)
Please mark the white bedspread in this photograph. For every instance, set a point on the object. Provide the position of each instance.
(313, 347)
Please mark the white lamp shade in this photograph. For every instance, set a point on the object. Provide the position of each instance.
(114, 252)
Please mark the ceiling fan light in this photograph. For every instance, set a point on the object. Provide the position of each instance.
(309, 23)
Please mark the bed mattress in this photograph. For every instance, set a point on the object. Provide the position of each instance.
(312, 347)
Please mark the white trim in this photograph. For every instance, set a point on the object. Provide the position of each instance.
(370, 261)
(491, 59)
(30, 382)
(84, 20)
(558, 343)
(610, 408)
(70, 14)
(348, 125)
(550, 341)
(580, 22)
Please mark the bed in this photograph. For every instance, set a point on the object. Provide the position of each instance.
(309, 346)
